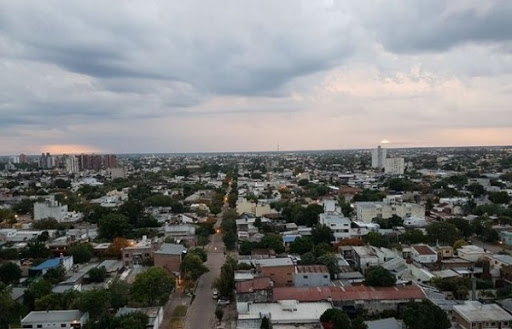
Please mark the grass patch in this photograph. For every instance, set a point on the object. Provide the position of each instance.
(180, 311)
(178, 317)
(177, 323)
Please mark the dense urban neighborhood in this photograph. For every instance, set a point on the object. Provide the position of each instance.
(377, 239)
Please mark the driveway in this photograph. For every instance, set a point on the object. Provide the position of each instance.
(201, 314)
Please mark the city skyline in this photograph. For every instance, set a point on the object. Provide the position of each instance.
(190, 77)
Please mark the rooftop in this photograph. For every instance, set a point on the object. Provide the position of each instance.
(52, 316)
(269, 262)
(423, 249)
(310, 294)
(50, 263)
(474, 311)
(312, 269)
(259, 283)
(171, 249)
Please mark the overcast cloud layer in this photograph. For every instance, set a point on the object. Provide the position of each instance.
(189, 76)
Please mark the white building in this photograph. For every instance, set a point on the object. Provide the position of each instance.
(378, 157)
(50, 209)
(367, 211)
(311, 276)
(423, 254)
(71, 164)
(394, 166)
(414, 222)
(338, 224)
(53, 209)
(473, 314)
(55, 319)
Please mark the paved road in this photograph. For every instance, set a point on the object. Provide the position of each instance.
(201, 314)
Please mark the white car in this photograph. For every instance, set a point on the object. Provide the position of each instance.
(223, 302)
(215, 294)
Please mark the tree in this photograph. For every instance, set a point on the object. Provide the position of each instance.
(225, 283)
(376, 239)
(199, 252)
(119, 291)
(462, 225)
(307, 258)
(229, 239)
(35, 290)
(132, 210)
(192, 266)
(322, 248)
(82, 252)
(265, 323)
(321, 233)
(116, 247)
(424, 315)
(35, 249)
(7, 215)
(301, 245)
(443, 232)
(96, 302)
(97, 274)
(459, 244)
(476, 189)
(501, 197)
(378, 276)
(331, 261)
(337, 318)
(273, 241)
(133, 320)
(7, 306)
(413, 237)
(10, 273)
(62, 183)
(153, 286)
(45, 224)
(55, 274)
(113, 225)
(219, 313)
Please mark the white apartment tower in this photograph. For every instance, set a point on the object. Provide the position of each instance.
(394, 166)
(378, 157)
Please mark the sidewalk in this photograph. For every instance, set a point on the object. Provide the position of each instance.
(177, 298)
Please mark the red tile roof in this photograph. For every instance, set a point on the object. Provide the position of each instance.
(348, 293)
(259, 283)
(423, 249)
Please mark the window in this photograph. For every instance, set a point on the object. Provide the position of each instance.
(39, 325)
(305, 276)
(63, 325)
(326, 276)
(493, 324)
(27, 326)
(127, 255)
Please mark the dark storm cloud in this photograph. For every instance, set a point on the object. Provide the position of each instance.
(438, 25)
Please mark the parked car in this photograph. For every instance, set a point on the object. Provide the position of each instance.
(215, 294)
(223, 302)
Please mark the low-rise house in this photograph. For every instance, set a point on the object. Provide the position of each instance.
(136, 254)
(279, 270)
(155, 314)
(499, 261)
(474, 314)
(339, 225)
(372, 299)
(471, 252)
(41, 269)
(365, 257)
(282, 312)
(311, 276)
(423, 254)
(55, 319)
(256, 290)
(169, 257)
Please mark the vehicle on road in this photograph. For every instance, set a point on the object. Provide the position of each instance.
(223, 302)
(215, 294)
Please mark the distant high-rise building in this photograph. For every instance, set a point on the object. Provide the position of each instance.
(96, 162)
(71, 163)
(23, 158)
(378, 157)
(394, 166)
(14, 159)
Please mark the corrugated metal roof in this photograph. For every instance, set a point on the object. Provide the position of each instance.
(312, 294)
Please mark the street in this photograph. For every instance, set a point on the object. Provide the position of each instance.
(201, 314)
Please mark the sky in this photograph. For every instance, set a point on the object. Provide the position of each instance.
(152, 76)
